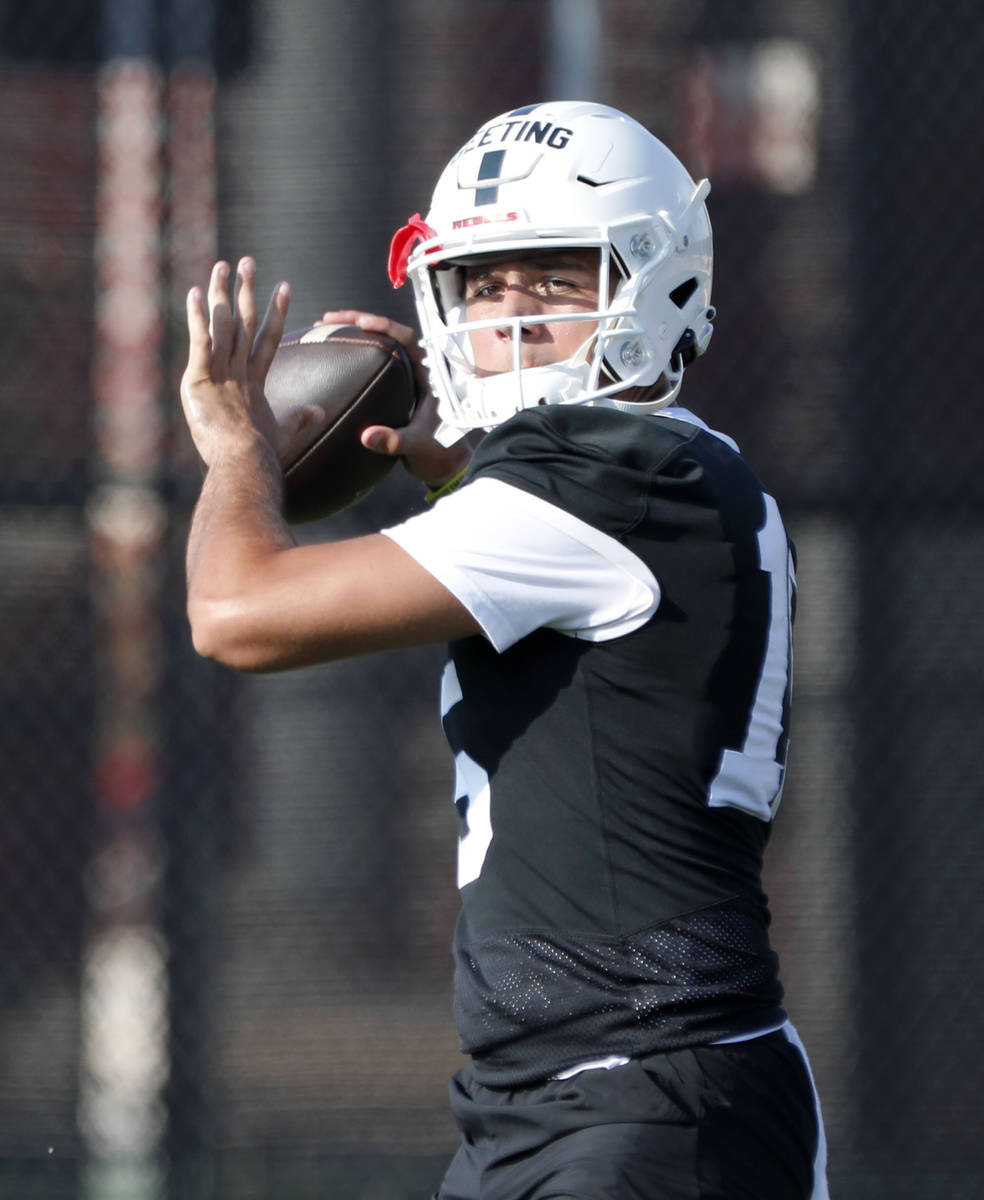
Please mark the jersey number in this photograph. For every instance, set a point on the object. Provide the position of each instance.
(750, 777)
(473, 795)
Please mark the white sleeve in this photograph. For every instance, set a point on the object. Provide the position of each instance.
(519, 563)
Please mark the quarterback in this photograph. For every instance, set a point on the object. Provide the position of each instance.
(616, 588)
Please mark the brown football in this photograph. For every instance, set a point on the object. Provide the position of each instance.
(359, 379)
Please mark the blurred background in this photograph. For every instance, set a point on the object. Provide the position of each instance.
(226, 902)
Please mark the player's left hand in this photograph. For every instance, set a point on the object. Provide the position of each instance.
(228, 359)
(423, 457)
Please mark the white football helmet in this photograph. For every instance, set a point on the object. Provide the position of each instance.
(566, 174)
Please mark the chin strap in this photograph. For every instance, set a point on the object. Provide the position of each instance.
(643, 406)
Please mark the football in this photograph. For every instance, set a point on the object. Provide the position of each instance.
(358, 379)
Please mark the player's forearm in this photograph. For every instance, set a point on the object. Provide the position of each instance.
(236, 528)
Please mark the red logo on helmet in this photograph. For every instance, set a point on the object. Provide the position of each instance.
(416, 230)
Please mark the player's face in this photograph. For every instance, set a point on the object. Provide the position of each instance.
(531, 284)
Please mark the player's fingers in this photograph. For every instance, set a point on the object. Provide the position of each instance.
(373, 323)
(271, 331)
(220, 320)
(381, 439)
(199, 342)
(245, 315)
(422, 456)
(414, 438)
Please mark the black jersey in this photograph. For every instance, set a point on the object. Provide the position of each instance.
(628, 783)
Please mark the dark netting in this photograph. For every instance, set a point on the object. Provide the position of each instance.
(227, 901)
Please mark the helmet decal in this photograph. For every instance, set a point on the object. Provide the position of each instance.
(489, 168)
(401, 246)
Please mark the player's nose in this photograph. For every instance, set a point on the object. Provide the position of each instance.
(518, 302)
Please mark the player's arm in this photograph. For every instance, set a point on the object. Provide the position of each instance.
(256, 601)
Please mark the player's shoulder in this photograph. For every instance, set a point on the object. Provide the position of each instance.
(584, 432)
(601, 447)
(600, 464)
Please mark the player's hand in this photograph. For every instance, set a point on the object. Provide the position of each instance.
(423, 457)
(229, 354)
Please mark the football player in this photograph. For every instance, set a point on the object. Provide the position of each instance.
(616, 586)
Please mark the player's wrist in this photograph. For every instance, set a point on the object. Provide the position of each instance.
(436, 491)
(245, 453)
(447, 468)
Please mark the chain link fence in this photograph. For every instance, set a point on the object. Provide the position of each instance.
(227, 901)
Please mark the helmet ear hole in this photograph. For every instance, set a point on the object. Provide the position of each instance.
(682, 293)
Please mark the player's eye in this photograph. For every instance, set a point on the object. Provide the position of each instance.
(557, 283)
(483, 289)
(575, 285)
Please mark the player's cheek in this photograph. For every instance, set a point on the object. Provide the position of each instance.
(486, 350)
(570, 336)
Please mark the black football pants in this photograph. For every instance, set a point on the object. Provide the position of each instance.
(728, 1122)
